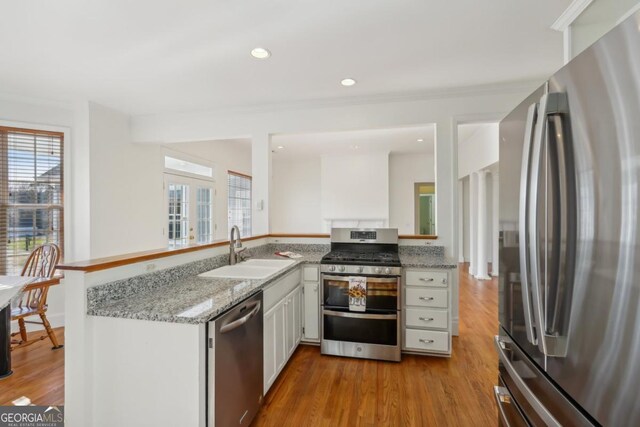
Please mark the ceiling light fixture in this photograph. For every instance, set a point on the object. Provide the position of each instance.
(280, 147)
(347, 82)
(260, 53)
(420, 139)
(355, 147)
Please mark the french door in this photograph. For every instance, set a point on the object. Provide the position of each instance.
(189, 203)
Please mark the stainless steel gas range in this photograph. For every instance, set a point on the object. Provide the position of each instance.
(360, 294)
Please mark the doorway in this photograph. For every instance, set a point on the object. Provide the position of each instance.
(425, 200)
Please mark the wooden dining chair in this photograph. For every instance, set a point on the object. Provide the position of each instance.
(33, 300)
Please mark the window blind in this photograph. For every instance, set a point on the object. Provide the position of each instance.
(31, 194)
(239, 200)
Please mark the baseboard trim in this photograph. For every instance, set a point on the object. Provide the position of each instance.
(455, 330)
(56, 320)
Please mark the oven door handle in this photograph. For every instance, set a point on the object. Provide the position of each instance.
(359, 315)
(369, 278)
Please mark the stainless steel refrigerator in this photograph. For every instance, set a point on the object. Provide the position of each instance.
(569, 339)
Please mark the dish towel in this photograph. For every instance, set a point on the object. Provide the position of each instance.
(357, 293)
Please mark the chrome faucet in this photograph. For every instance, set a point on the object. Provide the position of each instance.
(235, 243)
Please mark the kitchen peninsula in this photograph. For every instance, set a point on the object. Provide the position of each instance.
(163, 354)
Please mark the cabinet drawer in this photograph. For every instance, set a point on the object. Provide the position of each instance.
(426, 318)
(311, 274)
(427, 297)
(427, 340)
(427, 278)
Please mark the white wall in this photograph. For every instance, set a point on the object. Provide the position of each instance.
(127, 197)
(404, 171)
(479, 150)
(295, 204)
(127, 208)
(225, 155)
(355, 187)
(445, 110)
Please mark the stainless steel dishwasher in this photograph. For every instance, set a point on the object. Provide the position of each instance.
(235, 371)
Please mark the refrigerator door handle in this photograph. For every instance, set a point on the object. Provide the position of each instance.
(533, 235)
(522, 223)
(538, 407)
(564, 218)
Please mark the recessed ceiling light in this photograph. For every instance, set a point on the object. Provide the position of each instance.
(355, 147)
(347, 82)
(420, 139)
(280, 147)
(260, 53)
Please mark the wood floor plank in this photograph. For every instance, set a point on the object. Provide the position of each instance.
(38, 373)
(419, 391)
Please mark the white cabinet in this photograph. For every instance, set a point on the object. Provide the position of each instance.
(293, 304)
(427, 316)
(311, 286)
(282, 334)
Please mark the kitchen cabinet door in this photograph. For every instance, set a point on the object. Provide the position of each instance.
(311, 311)
(299, 314)
(269, 342)
(281, 335)
(291, 324)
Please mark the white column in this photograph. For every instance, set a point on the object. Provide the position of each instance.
(460, 221)
(446, 171)
(495, 264)
(261, 182)
(481, 269)
(473, 223)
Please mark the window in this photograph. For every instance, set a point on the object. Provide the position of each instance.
(187, 167)
(190, 208)
(205, 214)
(240, 202)
(31, 194)
(178, 214)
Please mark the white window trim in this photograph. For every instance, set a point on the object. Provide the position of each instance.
(191, 159)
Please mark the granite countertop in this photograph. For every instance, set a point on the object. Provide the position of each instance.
(179, 295)
(190, 299)
(427, 261)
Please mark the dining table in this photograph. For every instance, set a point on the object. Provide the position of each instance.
(10, 290)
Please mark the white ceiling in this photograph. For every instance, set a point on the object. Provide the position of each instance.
(395, 141)
(152, 56)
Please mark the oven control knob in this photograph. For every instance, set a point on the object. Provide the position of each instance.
(341, 268)
(359, 269)
(387, 270)
(377, 270)
(332, 268)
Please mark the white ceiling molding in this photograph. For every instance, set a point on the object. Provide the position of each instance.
(570, 14)
(447, 93)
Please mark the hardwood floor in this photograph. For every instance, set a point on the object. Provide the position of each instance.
(38, 373)
(316, 390)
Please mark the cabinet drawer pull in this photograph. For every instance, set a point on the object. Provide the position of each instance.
(427, 279)
(426, 319)
(426, 298)
(426, 341)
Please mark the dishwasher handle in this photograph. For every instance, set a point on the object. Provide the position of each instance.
(241, 321)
